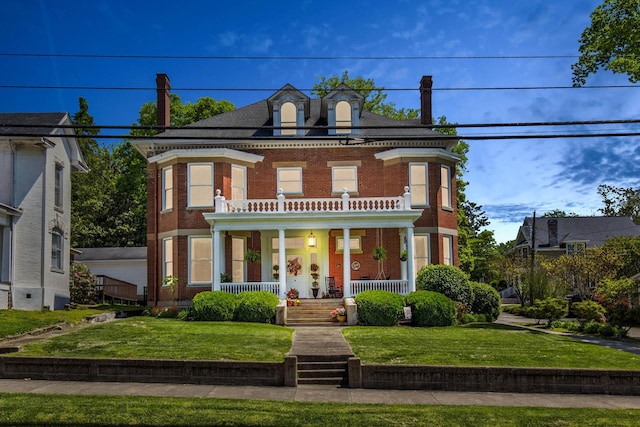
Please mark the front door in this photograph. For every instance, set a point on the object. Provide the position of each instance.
(297, 269)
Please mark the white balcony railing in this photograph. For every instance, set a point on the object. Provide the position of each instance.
(343, 204)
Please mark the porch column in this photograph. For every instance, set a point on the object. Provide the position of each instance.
(346, 263)
(282, 261)
(403, 246)
(216, 259)
(410, 260)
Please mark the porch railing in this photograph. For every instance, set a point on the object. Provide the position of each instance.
(236, 288)
(397, 286)
(343, 204)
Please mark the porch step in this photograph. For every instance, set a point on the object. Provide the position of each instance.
(314, 313)
(319, 369)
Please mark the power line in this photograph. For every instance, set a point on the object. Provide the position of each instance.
(284, 57)
(231, 89)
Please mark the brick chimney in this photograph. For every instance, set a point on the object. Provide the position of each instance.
(426, 115)
(163, 88)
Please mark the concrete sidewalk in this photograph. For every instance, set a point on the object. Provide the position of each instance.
(321, 393)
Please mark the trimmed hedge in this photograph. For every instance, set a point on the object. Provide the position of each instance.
(218, 306)
(430, 308)
(256, 306)
(486, 301)
(379, 308)
(587, 311)
(446, 279)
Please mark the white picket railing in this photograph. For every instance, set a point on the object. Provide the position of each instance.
(236, 288)
(397, 286)
(343, 204)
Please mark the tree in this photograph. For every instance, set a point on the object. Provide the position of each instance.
(620, 201)
(373, 96)
(627, 249)
(557, 213)
(612, 41)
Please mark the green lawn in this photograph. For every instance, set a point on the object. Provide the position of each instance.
(37, 409)
(14, 322)
(481, 345)
(152, 338)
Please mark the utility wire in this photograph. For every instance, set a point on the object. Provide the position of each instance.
(283, 57)
(231, 89)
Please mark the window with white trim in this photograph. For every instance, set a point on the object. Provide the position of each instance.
(59, 180)
(167, 257)
(288, 119)
(238, 182)
(343, 116)
(447, 250)
(200, 184)
(238, 245)
(355, 244)
(445, 182)
(57, 246)
(167, 188)
(290, 180)
(200, 262)
(418, 184)
(344, 177)
(421, 251)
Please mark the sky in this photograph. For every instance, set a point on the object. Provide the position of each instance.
(465, 45)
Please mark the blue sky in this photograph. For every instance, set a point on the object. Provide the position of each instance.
(509, 178)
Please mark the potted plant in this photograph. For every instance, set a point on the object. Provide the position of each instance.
(379, 253)
(315, 288)
(276, 275)
(225, 278)
(293, 294)
(339, 314)
(252, 256)
(404, 255)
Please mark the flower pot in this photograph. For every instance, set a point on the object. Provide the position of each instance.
(289, 303)
(315, 292)
(342, 318)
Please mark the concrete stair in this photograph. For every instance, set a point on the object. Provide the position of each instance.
(313, 312)
(323, 369)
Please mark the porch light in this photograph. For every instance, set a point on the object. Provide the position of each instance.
(311, 240)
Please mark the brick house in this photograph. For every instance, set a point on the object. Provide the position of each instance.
(311, 185)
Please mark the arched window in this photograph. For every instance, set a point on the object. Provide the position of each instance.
(288, 118)
(343, 116)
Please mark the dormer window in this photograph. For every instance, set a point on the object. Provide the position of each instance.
(342, 108)
(289, 109)
(288, 118)
(343, 117)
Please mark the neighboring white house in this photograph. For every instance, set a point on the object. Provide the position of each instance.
(125, 264)
(37, 158)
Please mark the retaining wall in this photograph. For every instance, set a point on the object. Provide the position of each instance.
(494, 379)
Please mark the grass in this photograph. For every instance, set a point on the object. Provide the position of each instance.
(14, 322)
(152, 338)
(481, 345)
(35, 409)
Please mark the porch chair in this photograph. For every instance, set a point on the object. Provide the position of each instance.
(332, 290)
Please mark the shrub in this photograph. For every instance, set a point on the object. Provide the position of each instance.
(82, 284)
(591, 328)
(216, 306)
(586, 311)
(430, 308)
(486, 300)
(379, 308)
(573, 326)
(256, 306)
(446, 279)
(167, 312)
(549, 308)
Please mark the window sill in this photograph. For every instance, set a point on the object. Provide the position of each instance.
(164, 211)
(58, 208)
(350, 193)
(447, 208)
(57, 270)
(199, 208)
(199, 285)
(421, 206)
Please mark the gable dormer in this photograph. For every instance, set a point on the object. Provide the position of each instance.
(343, 107)
(288, 108)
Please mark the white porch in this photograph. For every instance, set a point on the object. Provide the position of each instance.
(283, 217)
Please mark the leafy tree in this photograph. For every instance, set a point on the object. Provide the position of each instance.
(627, 249)
(580, 273)
(373, 96)
(557, 213)
(612, 41)
(620, 201)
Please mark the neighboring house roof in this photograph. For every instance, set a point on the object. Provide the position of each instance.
(553, 233)
(111, 254)
(16, 125)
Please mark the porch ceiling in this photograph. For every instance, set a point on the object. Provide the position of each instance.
(317, 220)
